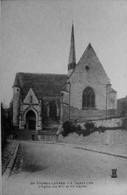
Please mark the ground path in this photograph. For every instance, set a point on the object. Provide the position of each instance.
(56, 162)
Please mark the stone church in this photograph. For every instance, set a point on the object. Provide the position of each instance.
(82, 94)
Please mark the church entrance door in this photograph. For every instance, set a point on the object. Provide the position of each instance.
(31, 120)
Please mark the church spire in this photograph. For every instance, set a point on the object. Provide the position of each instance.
(72, 58)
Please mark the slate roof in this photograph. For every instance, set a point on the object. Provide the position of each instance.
(43, 85)
(122, 99)
(88, 55)
(112, 90)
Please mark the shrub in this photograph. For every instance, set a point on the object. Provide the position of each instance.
(101, 129)
(86, 132)
(70, 127)
(67, 126)
(78, 128)
(89, 128)
(89, 125)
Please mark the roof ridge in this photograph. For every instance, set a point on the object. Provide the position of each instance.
(86, 51)
(39, 73)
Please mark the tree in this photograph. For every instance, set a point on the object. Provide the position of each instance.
(3, 126)
(6, 126)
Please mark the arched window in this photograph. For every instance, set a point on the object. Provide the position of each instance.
(88, 98)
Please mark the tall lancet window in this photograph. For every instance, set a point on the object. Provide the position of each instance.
(88, 98)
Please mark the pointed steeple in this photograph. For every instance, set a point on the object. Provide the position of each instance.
(72, 58)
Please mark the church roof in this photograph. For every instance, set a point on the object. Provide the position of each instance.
(90, 57)
(43, 85)
(122, 99)
(88, 53)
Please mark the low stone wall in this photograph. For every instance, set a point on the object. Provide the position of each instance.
(109, 123)
(110, 137)
(25, 134)
(47, 137)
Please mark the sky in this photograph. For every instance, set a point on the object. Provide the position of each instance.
(36, 38)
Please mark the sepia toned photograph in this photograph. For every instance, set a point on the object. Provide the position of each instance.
(63, 97)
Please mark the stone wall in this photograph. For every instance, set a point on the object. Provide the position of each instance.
(64, 116)
(109, 123)
(113, 140)
(112, 99)
(122, 106)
